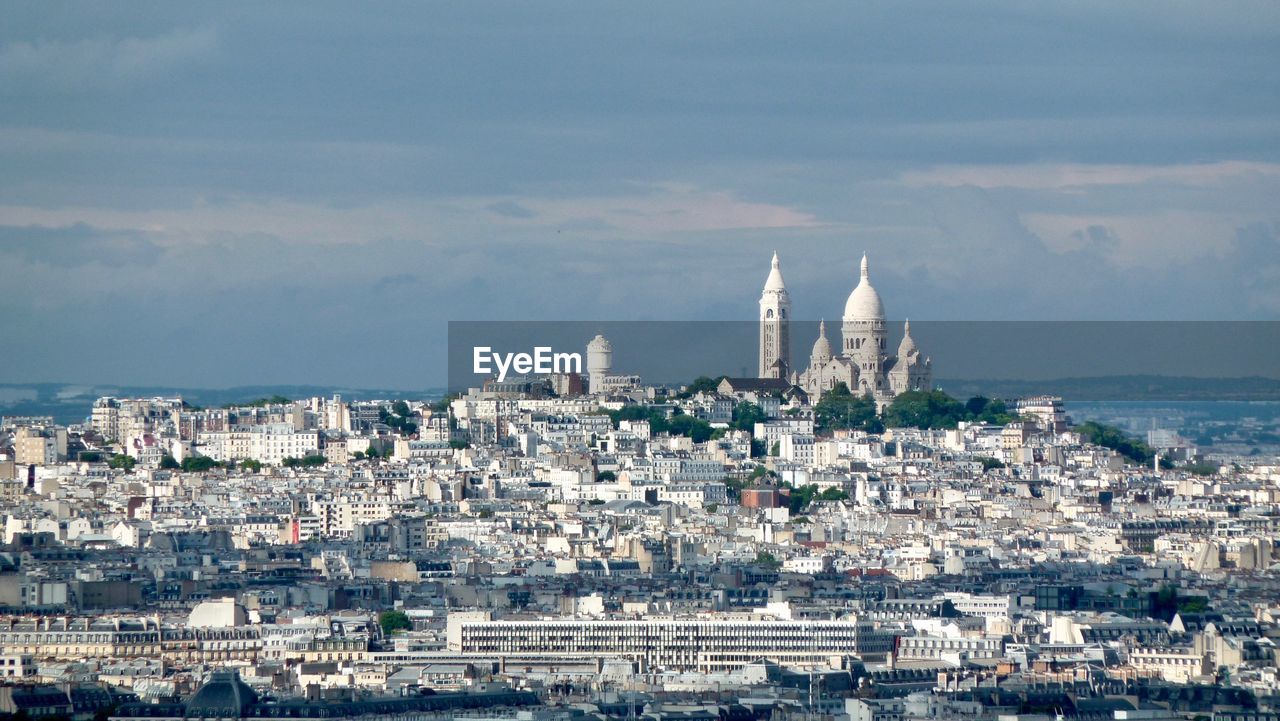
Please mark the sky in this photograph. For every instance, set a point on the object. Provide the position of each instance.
(219, 194)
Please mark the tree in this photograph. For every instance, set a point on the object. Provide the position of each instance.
(394, 622)
(746, 415)
(733, 488)
(441, 406)
(400, 408)
(838, 409)
(988, 410)
(768, 560)
(458, 445)
(249, 464)
(197, 464)
(169, 463)
(122, 462)
(607, 477)
(833, 494)
(701, 384)
(775, 449)
(698, 430)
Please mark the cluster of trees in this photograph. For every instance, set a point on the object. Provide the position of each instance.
(394, 622)
(1117, 440)
(678, 424)
(122, 462)
(398, 418)
(838, 409)
(1201, 468)
(746, 415)
(196, 464)
(936, 409)
(767, 560)
(312, 461)
(441, 406)
(800, 498)
(273, 400)
(733, 486)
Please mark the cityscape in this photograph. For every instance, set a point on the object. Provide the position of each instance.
(717, 361)
(839, 542)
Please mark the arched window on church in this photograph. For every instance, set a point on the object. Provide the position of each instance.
(768, 313)
(782, 313)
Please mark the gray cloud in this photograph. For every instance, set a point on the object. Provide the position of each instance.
(101, 62)
(509, 209)
(77, 245)
(289, 181)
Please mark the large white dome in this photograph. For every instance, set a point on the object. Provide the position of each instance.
(864, 302)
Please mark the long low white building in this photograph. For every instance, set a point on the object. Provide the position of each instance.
(673, 644)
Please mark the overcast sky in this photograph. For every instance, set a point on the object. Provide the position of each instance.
(213, 194)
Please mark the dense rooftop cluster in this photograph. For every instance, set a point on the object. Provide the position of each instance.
(725, 551)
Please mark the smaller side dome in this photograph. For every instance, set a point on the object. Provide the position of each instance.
(821, 347)
(907, 347)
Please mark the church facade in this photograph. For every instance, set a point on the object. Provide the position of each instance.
(863, 362)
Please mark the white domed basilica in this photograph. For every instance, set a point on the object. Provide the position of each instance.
(863, 362)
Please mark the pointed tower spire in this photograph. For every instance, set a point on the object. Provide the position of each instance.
(822, 328)
(865, 272)
(774, 281)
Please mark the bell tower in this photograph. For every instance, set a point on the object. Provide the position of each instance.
(775, 326)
